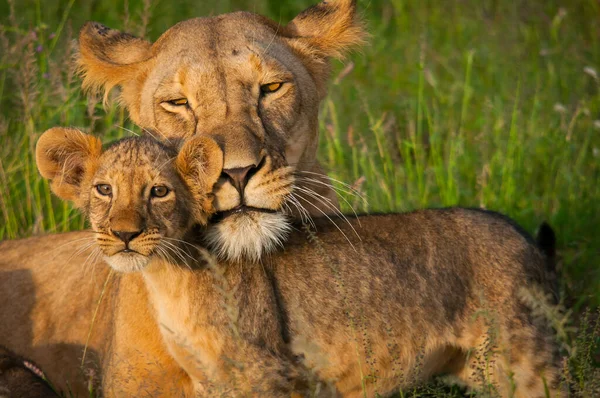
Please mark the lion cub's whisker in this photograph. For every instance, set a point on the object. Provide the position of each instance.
(168, 246)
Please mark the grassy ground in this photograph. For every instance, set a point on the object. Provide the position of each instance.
(464, 102)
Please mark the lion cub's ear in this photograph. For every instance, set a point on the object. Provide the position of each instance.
(326, 30)
(109, 58)
(65, 156)
(200, 163)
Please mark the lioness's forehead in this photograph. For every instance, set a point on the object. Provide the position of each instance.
(209, 35)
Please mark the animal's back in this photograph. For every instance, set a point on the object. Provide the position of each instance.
(48, 298)
(429, 281)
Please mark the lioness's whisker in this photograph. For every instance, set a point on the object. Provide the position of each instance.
(128, 130)
(159, 132)
(329, 218)
(159, 169)
(312, 181)
(304, 214)
(327, 202)
(338, 190)
(348, 186)
(328, 185)
(176, 253)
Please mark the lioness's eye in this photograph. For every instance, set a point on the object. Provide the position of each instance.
(104, 189)
(271, 87)
(179, 102)
(159, 191)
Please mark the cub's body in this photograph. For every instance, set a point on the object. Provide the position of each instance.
(422, 293)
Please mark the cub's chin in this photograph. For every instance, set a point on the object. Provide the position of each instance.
(247, 235)
(127, 261)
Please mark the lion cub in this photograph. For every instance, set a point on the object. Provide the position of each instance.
(144, 202)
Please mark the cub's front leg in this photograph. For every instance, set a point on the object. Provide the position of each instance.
(137, 362)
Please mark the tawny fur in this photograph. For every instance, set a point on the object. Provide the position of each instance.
(433, 285)
(218, 65)
(54, 294)
(422, 293)
(220, 350)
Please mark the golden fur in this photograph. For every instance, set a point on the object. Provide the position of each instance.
(437, 289)
(143, 202)
(422, 293)
(212, 76)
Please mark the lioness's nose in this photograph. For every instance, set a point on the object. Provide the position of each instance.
(127, 236)
(240, 176)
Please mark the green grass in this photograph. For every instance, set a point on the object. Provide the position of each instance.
(474, 103)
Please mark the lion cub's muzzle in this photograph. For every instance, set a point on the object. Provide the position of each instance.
(126, 237)
(128, 251)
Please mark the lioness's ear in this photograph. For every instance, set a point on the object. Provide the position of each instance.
(64, 156)
(108, 57)
(331, 27)
(200, 162)
(326, 30)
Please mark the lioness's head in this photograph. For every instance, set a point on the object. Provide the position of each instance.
(140, 196)
(251, 84)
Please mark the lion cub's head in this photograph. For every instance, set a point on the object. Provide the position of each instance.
(249, 82)
(140, 196)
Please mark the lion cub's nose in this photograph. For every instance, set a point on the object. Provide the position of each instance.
(240, 176)
(127, 236)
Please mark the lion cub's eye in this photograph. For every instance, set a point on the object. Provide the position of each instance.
(159, 191)
(270, 88)
(104, 189)
(178, 102)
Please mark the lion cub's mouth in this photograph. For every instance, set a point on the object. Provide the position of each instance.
(128, 250)
(221, 215)
(127, 260)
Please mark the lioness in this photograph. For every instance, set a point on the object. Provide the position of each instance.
(422, 293)
(252, 84)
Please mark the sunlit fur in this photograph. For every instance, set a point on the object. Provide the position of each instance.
(127, 262)
(186, 289)
(217, 66)
(132, 168)
(248, 236)
(407, 297)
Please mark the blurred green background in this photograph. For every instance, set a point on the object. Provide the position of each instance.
(458, 102)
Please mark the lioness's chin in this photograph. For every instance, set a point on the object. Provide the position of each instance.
(247, 235)
(127, 262)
